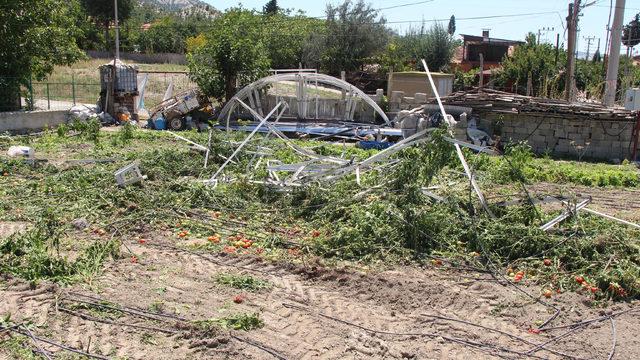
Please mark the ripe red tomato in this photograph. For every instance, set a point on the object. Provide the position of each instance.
(579, 279)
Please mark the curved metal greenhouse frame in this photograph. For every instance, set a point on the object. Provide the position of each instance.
(303, 80)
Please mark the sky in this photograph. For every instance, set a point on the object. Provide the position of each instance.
(534, 15)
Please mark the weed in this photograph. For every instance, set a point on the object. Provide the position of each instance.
(19, 347)
(30, 256)
(157, 306)
(89, 129)
(126, 133)
(148, 339)
(243, 282)
(245, 322)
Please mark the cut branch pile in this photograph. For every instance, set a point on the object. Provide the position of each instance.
(489, 100)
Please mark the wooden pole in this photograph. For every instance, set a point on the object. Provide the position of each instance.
(481, 82)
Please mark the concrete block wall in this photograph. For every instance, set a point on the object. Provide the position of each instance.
(21, 122)
(399, 102)
(587, 137)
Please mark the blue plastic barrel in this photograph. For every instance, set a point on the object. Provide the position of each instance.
(160, 124)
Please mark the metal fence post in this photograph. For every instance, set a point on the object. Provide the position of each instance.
(48, 98)
(73, 87)
(30, 107)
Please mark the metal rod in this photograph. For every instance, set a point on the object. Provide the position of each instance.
(566, 214)
(213, 178)
(467, 170)
(48, 98)
(611, 218)
(73, 88)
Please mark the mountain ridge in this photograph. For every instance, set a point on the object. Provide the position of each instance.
(177, 5)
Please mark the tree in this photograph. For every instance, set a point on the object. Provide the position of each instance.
(355, 33)
(168, 35)
(287, 36)
(233, 51)
(435, 45)
(271, 7)
(597, 57)
(103, 13)
(451, 29)
(631, 32)
(35, 36)
(536, 62)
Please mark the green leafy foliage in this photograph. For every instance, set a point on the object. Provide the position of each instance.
(271, 7)
(36, 35)
(168, 35)
(435, 45)
(102, 13)
(245, 322)
(355, 32)
(388, 218)
(631, 32)
(288, 36)
(31, 255)
(405, 52)
(234, 51)
(537, 62)
(243, 282)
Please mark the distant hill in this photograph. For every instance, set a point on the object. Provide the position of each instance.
(183, 7)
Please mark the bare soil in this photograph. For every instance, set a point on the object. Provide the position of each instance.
(620, 202)
(312, 311)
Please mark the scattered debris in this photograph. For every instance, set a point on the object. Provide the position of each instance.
(80, 224)
(129, 174)
(189, 109)
(21, 151)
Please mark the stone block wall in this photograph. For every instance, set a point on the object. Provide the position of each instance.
(586, 137)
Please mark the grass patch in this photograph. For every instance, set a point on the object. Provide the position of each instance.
(244, 322)
(519, 164)
(242, 282)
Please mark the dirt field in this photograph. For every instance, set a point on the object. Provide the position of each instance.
(311, 312)
(620, 202)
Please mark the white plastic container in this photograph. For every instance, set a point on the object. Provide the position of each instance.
(21, 151)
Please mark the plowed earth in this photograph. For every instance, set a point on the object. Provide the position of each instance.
(310, 312)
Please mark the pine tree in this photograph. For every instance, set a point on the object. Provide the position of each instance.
(271, 8)
(597, 57)
(452, 25)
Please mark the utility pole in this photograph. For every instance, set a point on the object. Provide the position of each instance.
(572, 27)
(589, 40)
(614, 55)
(115, 7)
(546, 30)
(557, 48)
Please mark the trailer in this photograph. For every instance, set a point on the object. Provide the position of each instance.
(184, 110)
